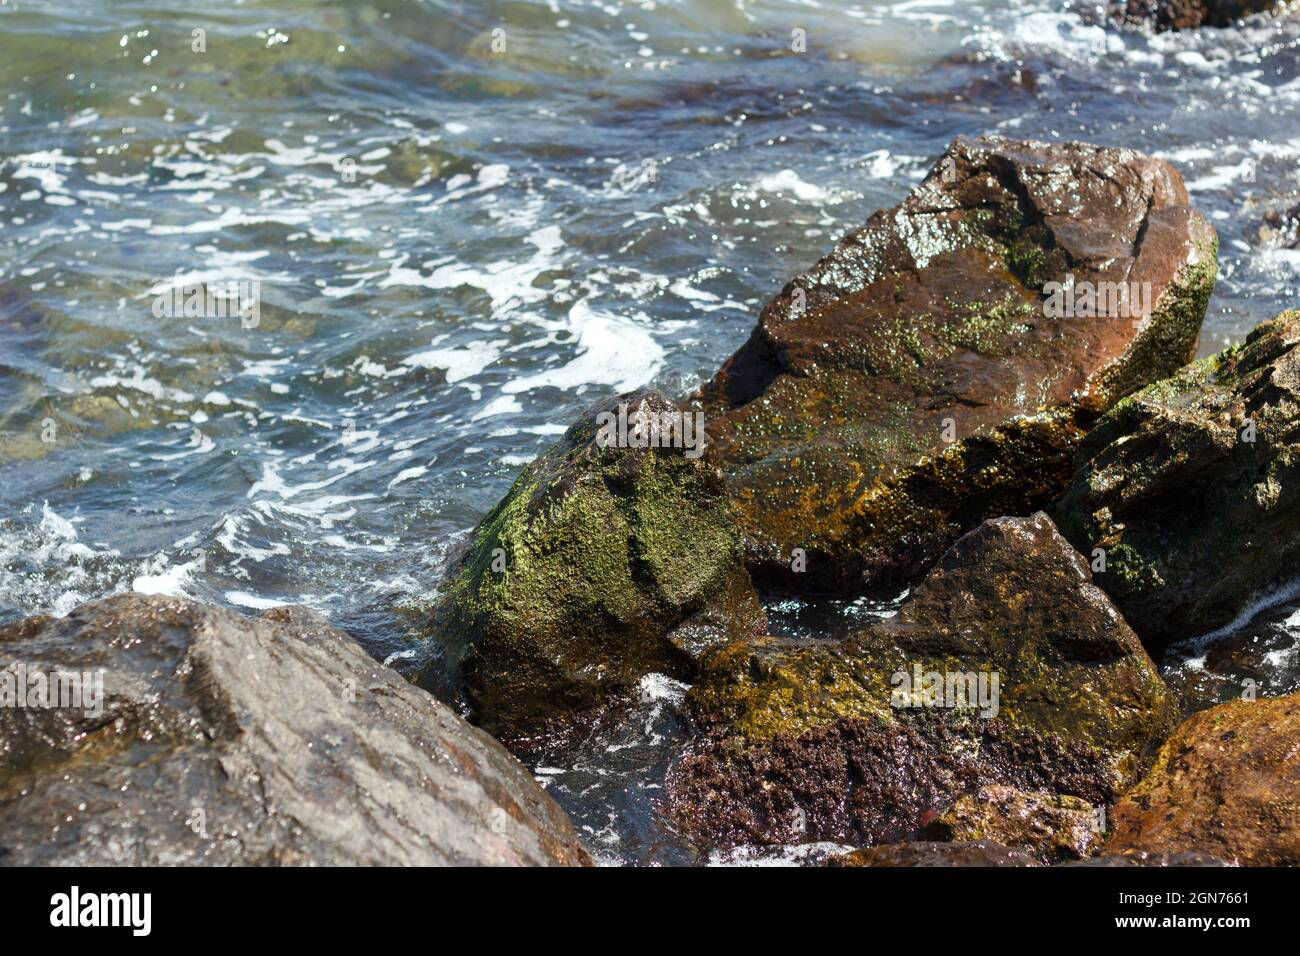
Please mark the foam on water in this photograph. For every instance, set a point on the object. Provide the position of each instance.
(459, 251)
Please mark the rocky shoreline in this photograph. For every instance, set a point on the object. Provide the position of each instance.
(984, 398)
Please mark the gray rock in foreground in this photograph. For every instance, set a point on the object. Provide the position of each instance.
(260, 741)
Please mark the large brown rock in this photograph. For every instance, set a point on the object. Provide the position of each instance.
(221, 740)
(807, 740)
(912, 383)
(1226, 783)
(1191, 487)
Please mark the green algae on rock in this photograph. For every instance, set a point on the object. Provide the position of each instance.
(1226, 783)
(602, 564)
(1191, 487)
(806, 740)
(913, 384)
(1054, 828)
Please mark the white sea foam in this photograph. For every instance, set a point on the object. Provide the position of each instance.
(613, 350)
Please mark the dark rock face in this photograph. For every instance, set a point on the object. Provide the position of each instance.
(809, 740)
(1260, 658)
(1189, 14)
(1054, 828)
(978, 853)
(1225, 783)
(228, 740)
(1192, 488)
(605, 562)
(862, 781)
(913, 384)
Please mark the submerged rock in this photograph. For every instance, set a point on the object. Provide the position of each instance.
(1191, 487)
(1189, 14)
(226, 740)
(940, 366)
(605, 562)
(1226, 783)
(976, 853)
(840, 740)
(1054, 828)
(1260, 658)
(1281, 228)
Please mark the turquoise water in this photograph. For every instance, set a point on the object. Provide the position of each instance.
(468, 221)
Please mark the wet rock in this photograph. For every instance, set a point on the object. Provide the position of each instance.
(1054, 828)
(1282, 228)
(1192, 488)
(1150, 859)
(1226, 783)
(919, 379)
(222, 740)
(1189, 14)
(605, 562)
(1259, 659)
(977, 853)
(836, 740)
(861, 782)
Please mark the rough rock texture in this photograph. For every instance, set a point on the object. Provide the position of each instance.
(611, 562)
(803, 741)
(256, 741)
(1194, 518)
(1189, 14)
(1150, 859)
(1053, 828)
(1227, 783)
(833, 421)
(979, 853)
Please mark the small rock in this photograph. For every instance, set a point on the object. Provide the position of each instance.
(1054, 828)
(1142, 858)
(1282, 228)
(976, 853)
(1164, 15)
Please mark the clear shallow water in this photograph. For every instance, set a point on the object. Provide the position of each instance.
(604, 204)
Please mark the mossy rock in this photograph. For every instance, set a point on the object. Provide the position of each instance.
(823, 739)
(602, 564)
(1191, 487)
(1054, 828)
